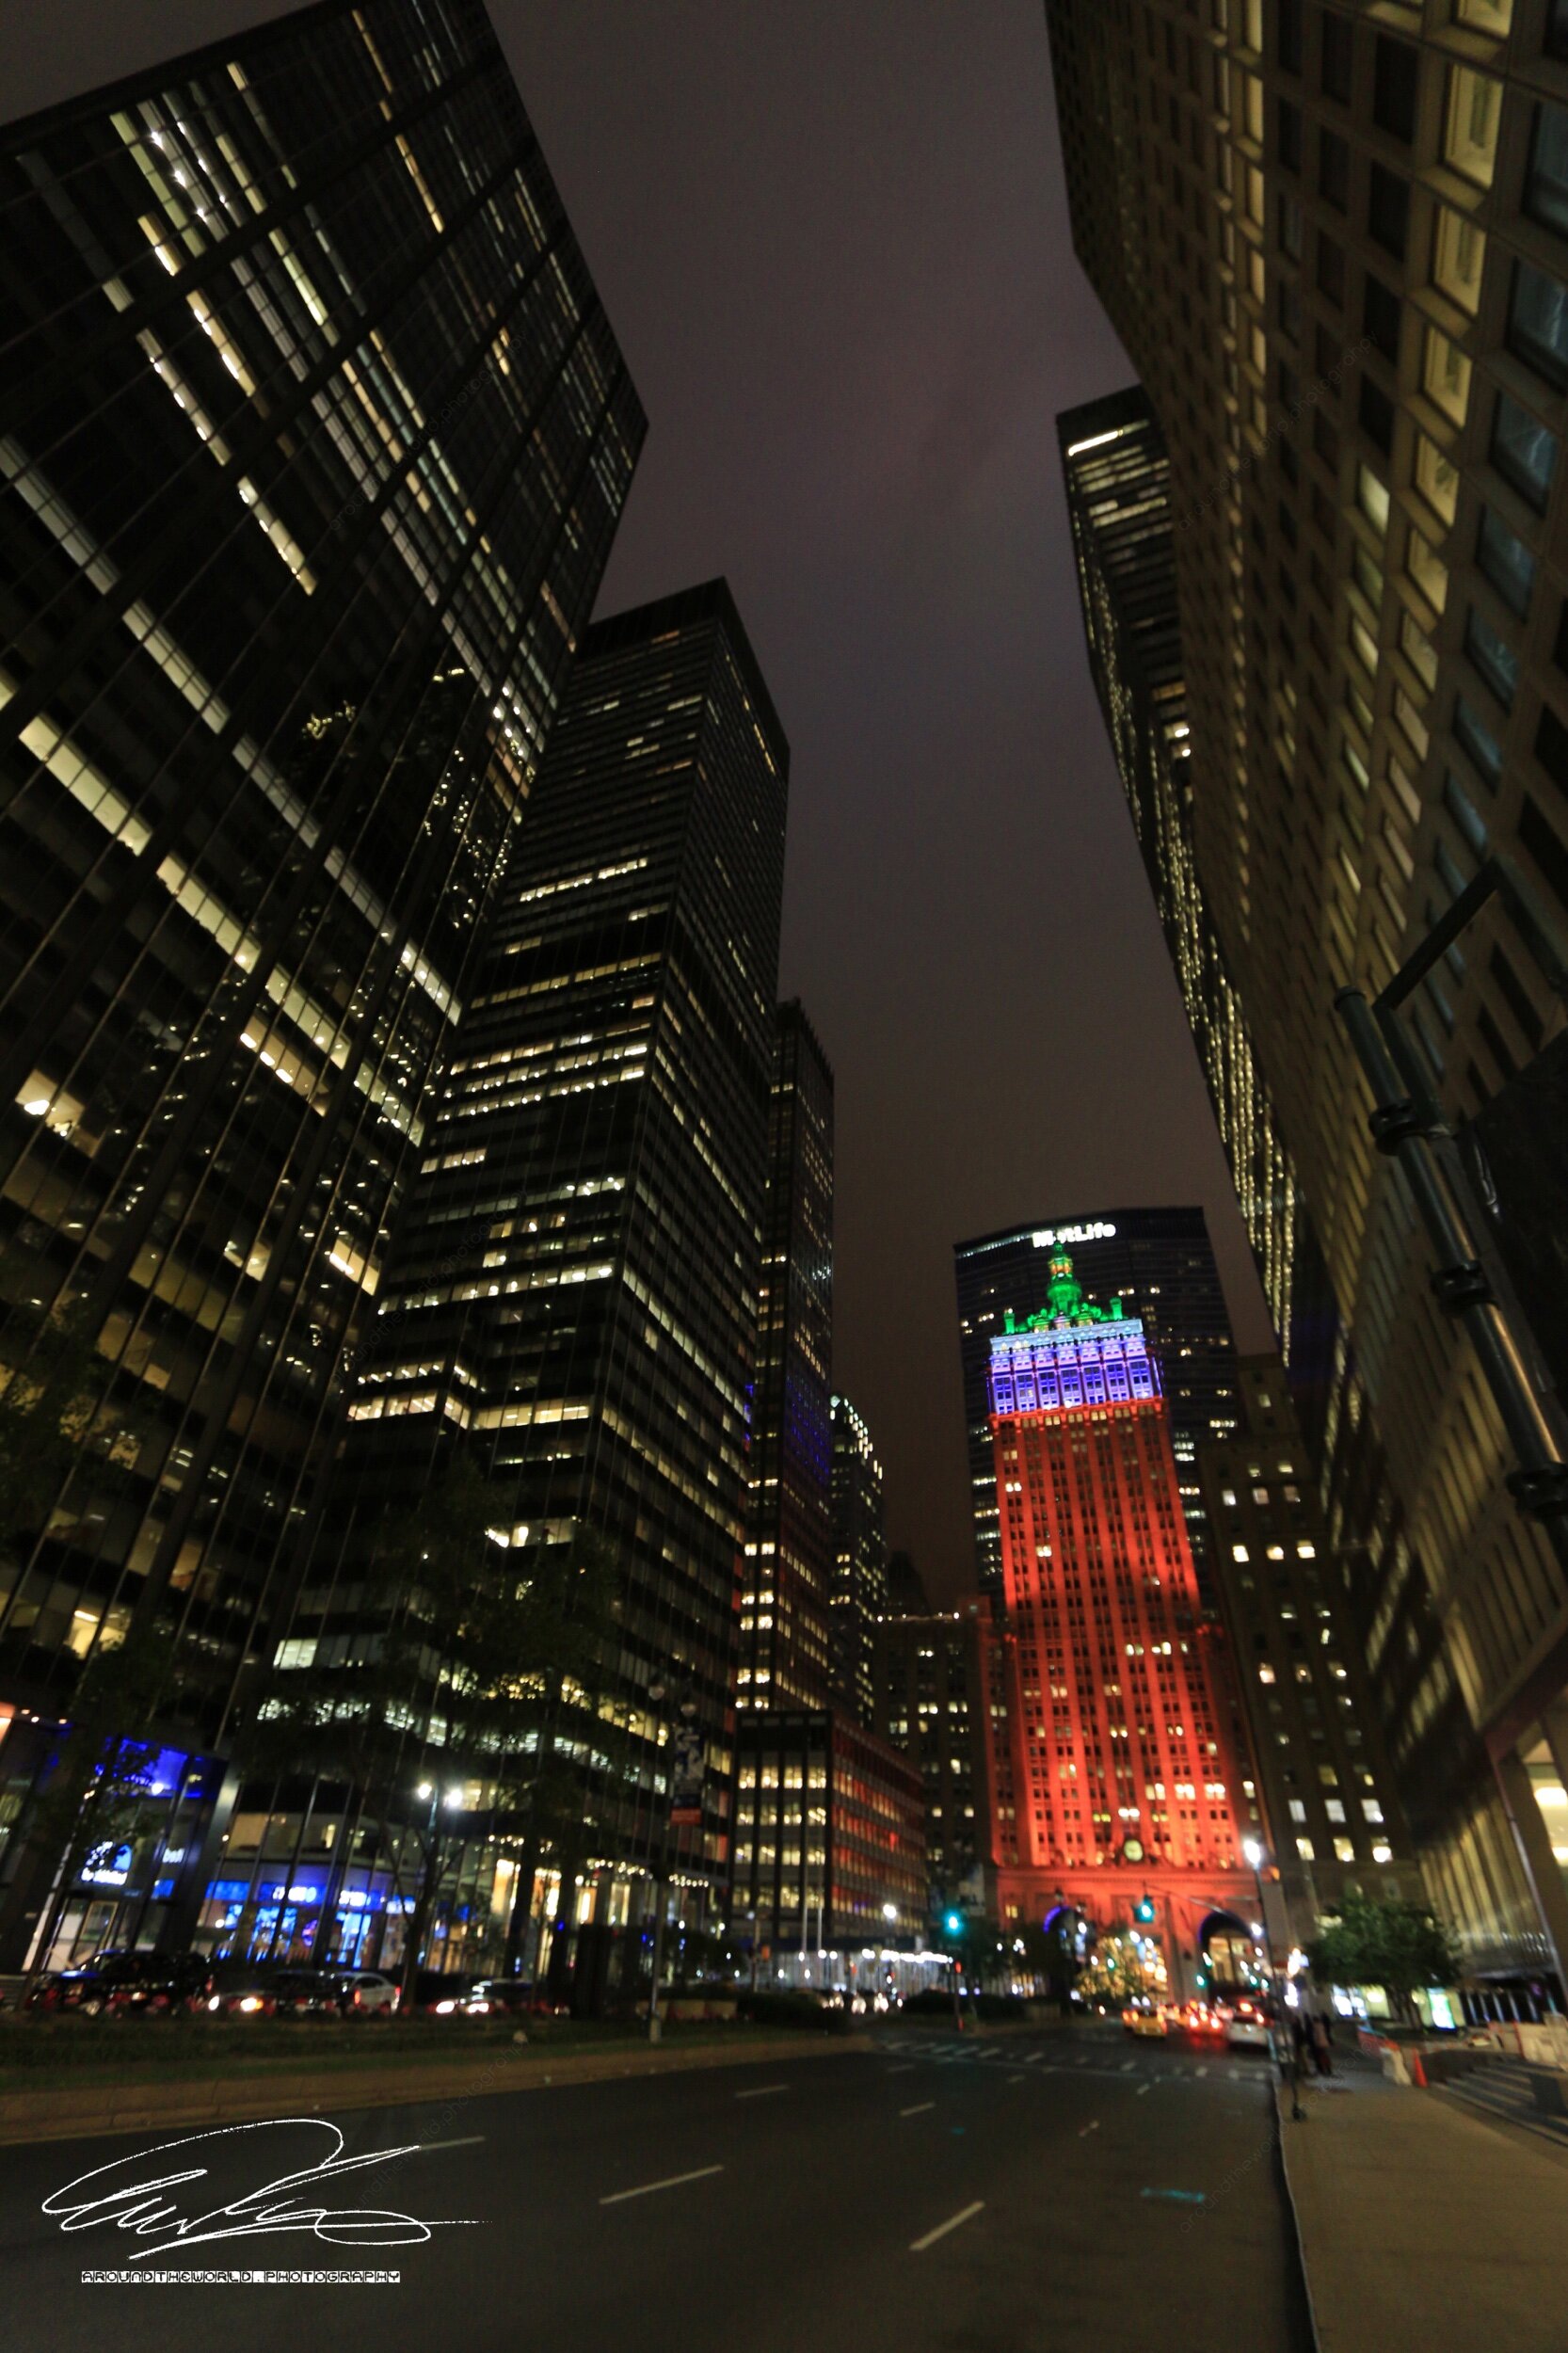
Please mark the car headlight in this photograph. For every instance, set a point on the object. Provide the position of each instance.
(252, 2001)
(215, 2001)
(443, 2008)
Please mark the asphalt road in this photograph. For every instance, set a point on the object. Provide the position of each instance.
(998, 2195)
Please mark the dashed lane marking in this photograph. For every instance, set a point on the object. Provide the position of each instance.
(966, 2214)
(671, 2181)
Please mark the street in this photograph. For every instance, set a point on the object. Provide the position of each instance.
(990, 2196)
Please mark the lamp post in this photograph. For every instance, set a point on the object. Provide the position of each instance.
(1254, 1853)
(658, 1694)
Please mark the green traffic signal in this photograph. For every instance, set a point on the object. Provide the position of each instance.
(955, 1924)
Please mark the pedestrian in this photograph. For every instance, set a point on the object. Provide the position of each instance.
(1322, 2054)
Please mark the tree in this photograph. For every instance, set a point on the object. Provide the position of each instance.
(97, 1786)
(481, 1661)
(1389, 1942)
(1117, 1970)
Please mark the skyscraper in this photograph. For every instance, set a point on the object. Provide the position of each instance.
(788, 1544)
(1324, 1780)
(1118, 477)
(929, 1675)
(1336, 249)
(1114, 1755)
(859, 1558)
(1158, 1261)
(315, 437)
(575, 1280)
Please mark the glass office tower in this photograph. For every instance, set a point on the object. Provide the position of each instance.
(859, 1560)
(575, 1281)
(315, 435)
(789, 1544)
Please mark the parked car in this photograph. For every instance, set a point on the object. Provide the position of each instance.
(510, 1996)
(122, 1984)
(447, 1993)
(300, 1993)
(235, 1989)
(1144, 2021)
(364, 1992)
(1247, 2025)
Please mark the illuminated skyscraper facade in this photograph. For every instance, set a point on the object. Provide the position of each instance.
(1160, 1263)
(859, 1558)
(788, 1578)
(1334, 242)
(1118, 481)
(1116, 1753)
(573, 1293)
(315, 439)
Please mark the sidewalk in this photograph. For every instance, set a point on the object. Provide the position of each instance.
(1421, 2226)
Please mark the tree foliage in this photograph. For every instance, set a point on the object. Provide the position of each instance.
(1384, 1941)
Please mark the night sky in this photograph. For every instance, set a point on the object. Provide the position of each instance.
(833, 242)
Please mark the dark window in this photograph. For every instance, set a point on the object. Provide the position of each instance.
(1338, 55)
(1494, 1040)
(1523, 451)
(1290, 120)
(1544, 845)
(1287, 525)
(1551, 745)
(1325, 441)
(1515, 996)
(1333, 169)
(1555, 40)
(1560, 643)
(1492, 656)
(1538, 323)
(1322, 515)
(1375, 414)
(1394, 79)
(1546, 181)
(1331, 269)
(1290, 386)
(1380, 310)
(1388, 210)
(1478, 741)
(1287, 17)
(1328, 349)
(1290, 306)
(1289, 465)
(1290, 227)
(1464, 812)
(1506, 561)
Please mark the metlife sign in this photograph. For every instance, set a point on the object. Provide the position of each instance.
(1059, 1237)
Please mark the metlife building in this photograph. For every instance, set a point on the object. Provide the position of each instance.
(1160, 1264)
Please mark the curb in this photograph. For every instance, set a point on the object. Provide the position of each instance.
(64, 2115)
(1281, 2140)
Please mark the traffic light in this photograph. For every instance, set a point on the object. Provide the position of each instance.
(954, 1924)
(1143, 1911)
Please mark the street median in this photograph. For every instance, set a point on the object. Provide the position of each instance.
(76, 2111)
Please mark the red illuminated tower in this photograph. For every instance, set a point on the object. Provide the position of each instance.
(1114, 1778)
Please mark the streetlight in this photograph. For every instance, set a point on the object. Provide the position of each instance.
(1254, 1852)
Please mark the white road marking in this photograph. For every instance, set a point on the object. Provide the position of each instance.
(1032, 2057)
(919, 2109)
(1143, 2091)
(1089, 2128)
(1127, 2066)
(760, 2091)
(467, 2141)
(672, 2180)
(907, 2069)
(917, 2246)
(1200, 2071)
(1017, 2079)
